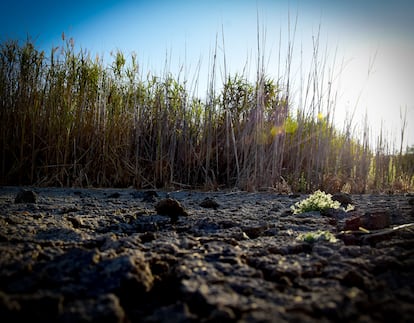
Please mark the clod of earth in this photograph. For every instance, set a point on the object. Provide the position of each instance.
(171, 208)
(343, 198)
(26, 196)
(209, 202)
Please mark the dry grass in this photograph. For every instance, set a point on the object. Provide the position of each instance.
(69, 120)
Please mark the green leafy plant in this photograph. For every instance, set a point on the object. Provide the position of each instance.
(315, 236)
(318, 201)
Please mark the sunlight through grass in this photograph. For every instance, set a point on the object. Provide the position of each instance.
(70, 120)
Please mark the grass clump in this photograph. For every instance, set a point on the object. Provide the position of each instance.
(318, 201)
(312, 237)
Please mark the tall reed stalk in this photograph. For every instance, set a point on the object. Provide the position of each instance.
(68, 119)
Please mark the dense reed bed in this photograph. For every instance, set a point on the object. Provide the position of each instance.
(68, 119)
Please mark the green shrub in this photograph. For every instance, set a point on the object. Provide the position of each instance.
(318, 201)
(319, 235)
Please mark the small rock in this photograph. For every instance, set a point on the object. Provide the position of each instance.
(343, 198)
(209, 203)
(411, 201)
(376, 220)
(26, 196)
(171, 208)
(373, 220)
(353, 223)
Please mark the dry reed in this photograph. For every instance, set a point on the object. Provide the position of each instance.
(70, 120)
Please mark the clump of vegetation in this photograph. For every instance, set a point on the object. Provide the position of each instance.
(67, 118)
(318, 201)
(312, 237)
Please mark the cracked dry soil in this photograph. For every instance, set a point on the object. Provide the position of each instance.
(107, 255)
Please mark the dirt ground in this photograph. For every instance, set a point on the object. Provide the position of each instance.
(118, 255)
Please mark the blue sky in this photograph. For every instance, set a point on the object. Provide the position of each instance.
(360, 32)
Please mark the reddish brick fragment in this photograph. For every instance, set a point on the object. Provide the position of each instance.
(353, 223)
